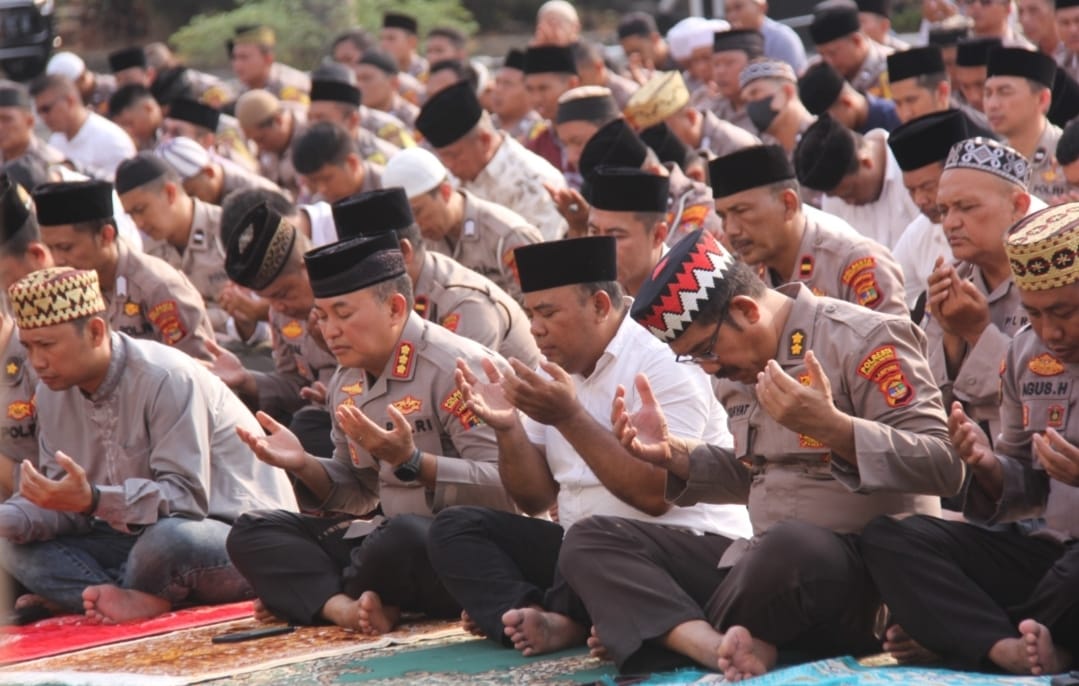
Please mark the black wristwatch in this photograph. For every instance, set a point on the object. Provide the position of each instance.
(410, 470)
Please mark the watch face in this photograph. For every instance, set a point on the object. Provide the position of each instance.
(406, 472)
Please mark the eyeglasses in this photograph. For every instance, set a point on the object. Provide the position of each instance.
(703, 357)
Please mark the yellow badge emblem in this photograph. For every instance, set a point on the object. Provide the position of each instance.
(1045, 365)
(292, 330)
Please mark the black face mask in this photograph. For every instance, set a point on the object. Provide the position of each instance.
(761, 113)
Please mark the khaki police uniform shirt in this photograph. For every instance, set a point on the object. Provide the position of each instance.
(622, 89)
(386, 126)
(1038, 392)
(514, 177)
(158, 438)
(845, 265)
(690, 206)
(471, 305)
(202, 260)
(976, 382)
(374, 149)
(877, 367)
(18, 424)
(278, 167)
(419, 381)
(153, 300)
(288, 84)
(237, 178)
(404, 111)
(524, 129)
(872, 76)
(720, 138)
(726, 111)
(489, 235)
(298, 362)
(1047, 180)
(209, 89)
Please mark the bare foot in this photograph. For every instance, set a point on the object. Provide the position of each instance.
(596, 648)
(535, 632)
(27, 600)
(109, 604)
(471, 627)
(740, 656)
(262, 614)
(1043, 656)
(376, 618)
(906, 651)
(1010, 654)
(342, 610)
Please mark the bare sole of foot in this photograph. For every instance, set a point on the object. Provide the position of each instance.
(740, 656)
(112, 604)
(1043, 656)
(375, 618)
(1010, 654)
(471, 627)
(535, 632)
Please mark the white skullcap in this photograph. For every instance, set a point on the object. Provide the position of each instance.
(415, 169)
(184, 155)
(677, 34)
(699, 35)
(65, 64)
(559, 8)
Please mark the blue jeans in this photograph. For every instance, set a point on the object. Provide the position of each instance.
(181, 560)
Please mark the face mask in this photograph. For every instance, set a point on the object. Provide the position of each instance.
(761, 113)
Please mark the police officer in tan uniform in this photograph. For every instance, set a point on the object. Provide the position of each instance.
(404, 440)
(335, 99)
(479, 234)
(665, 99)
(251, 52)
(380, 79)
(690, 205)
(861, 60)
(145, 296)
(836, 420)
(206, 176)
(265, 253)
(183, 231)
(274, 129)
(974, 306)
(211, 129)
(447, 293)
(18, 412)
(1010, 602)
(757, 195)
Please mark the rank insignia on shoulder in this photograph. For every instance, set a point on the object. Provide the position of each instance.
(805, 269)
(421, 306)
(132, 309)
(13, 368)
(797, 343)
(1045, 365)
(403, 360)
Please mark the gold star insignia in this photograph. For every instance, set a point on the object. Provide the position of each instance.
(12, 369)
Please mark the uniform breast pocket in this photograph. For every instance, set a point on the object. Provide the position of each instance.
(741, 431)
(1040, 414)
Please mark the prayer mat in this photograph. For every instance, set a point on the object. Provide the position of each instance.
(69, 633)
(190, 656)
(845, 671)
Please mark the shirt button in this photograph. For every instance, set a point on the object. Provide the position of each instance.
(829, 308)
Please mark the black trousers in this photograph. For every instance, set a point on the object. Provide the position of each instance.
(957, 588)
(297, 562)
(493, 561)
(799, 587)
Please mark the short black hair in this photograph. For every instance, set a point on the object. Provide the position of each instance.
(740, 279)
(402, 283)
(613, 289)
(94, 226)
(453, 35)
(50, 81)
(464, 71)
(127, 97)
(359, 38)
(322, 144)
(1068, 145)
(930, 81)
